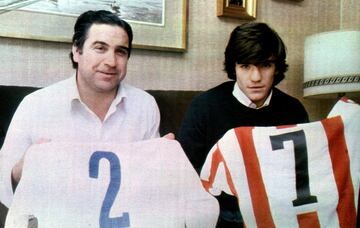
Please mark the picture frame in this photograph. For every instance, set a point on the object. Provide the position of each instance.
(241, 9)
(170, 36)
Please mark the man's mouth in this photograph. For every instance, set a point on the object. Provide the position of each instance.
(108, 73)
(256, 87)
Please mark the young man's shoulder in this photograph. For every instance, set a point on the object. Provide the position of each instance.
(284, 98)
(290, 104)
(218, 93)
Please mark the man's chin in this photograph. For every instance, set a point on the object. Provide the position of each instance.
(106, 87)
(257, 99)
(256, 96)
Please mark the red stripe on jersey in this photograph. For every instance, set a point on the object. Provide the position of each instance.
(344, 99)
(285, 126)
(258, 194)
(341, 167)
(217, 158)
(310, 219)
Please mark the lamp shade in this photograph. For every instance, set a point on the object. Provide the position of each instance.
(332, 63)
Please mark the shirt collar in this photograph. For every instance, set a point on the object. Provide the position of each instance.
(73, 91)
(121, 93)
(243, 99)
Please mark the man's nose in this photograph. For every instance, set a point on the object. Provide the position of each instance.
(110, 59)
(255, 73)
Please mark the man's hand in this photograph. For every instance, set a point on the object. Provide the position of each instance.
(170, 136)
(16, 171)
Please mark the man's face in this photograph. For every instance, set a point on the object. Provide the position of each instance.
(255, 80)
(102, 62)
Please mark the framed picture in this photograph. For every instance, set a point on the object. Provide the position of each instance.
(242, 9)
(157, 24)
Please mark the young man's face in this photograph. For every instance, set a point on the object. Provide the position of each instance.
(255, 80)
(102, 62)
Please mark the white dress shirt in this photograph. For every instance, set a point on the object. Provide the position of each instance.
(243, 99)
(58, 114)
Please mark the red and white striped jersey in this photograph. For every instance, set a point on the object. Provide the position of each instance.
(304, 175)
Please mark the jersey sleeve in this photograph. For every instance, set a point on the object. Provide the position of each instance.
(349, 111)
(215, 174)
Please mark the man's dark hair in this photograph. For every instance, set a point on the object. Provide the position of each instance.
(87, 19)
(255, 43)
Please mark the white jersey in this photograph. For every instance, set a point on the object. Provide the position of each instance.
(144, 184)
(304, 175)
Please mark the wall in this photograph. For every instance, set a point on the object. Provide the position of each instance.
(39, 63)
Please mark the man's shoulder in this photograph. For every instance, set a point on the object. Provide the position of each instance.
(218, 93)
(136, 93)
(50, 92)
(283, 99)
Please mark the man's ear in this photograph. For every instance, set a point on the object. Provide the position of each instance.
(76, 52)
(276, 71)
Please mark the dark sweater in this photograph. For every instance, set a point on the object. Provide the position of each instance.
(213, 113)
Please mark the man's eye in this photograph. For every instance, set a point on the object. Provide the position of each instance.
(245, 66)
(122, 52)
(266, 65)
(99, 48)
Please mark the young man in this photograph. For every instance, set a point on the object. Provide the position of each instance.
(255, 61)
(92, 106)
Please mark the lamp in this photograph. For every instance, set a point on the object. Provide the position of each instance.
(332, 64)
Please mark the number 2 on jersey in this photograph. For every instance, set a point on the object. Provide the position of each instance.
(114, 186)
